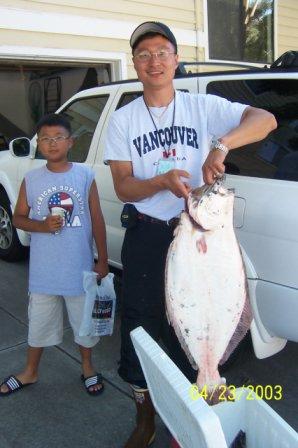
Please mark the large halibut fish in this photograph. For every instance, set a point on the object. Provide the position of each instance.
(206, 293)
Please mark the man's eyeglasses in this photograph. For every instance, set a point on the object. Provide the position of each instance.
(145, 56)
(49, 140)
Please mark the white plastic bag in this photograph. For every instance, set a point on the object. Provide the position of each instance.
(105, 293)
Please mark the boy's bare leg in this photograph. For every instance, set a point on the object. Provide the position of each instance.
(87, 367)
(30, 373)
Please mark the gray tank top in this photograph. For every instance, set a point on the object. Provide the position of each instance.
(57, 261)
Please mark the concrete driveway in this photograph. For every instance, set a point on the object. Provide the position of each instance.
(57, 412)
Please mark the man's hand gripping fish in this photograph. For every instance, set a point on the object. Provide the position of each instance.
(206, 292)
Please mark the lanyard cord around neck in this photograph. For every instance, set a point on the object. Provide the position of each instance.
(163, 145)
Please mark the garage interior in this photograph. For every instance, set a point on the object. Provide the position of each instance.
(30, 89)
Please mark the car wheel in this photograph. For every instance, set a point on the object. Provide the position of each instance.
(10, 247)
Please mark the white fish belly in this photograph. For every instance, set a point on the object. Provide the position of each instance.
(205, 293)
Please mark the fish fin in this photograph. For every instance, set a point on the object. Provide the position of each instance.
(241, 330)
(181, 339)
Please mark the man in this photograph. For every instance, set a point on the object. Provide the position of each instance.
(158, 148)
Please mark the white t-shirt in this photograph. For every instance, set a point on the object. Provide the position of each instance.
(132, 136)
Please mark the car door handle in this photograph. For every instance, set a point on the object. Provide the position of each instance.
(239, 210)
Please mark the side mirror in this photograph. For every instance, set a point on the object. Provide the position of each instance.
(20, 147)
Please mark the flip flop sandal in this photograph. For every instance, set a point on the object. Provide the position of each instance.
(13, 384)
(93, 380)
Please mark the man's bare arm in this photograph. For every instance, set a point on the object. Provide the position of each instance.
(99, 232)
(255, 125)
(130, 189)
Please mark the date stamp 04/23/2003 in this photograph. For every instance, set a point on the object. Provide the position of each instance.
(233, 393)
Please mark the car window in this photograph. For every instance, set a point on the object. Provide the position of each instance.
(83, 115)
(275, 157)
(127, 98)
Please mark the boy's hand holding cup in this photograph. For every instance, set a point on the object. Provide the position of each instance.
(55, 221)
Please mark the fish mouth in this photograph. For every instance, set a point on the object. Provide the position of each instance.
(197, 194)
(208, 201)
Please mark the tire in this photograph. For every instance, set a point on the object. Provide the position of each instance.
(10, 247)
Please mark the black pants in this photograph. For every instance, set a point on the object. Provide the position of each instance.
(144, 255)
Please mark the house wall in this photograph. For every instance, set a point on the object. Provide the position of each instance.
(100, 30)
(287, 25)
(98, 26)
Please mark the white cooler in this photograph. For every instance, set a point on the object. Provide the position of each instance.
(194, 423)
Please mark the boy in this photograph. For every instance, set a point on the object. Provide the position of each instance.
(59, 204)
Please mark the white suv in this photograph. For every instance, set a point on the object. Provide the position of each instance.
(264, 176)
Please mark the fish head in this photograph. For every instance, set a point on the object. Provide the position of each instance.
(211, 206)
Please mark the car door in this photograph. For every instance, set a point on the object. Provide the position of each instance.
(86, 113)
(264, 176)
(110, 204)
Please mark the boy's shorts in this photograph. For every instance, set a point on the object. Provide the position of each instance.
(45, 313)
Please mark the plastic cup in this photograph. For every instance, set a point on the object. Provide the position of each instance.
(58, 211)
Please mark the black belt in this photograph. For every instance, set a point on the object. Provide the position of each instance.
(146, 218)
